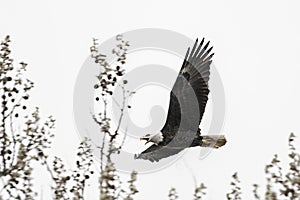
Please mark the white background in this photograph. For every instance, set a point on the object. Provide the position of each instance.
(257, 45)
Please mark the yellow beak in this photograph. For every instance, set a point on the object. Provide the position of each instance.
(144, 138)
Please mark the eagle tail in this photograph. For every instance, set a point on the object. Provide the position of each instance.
(214, 141)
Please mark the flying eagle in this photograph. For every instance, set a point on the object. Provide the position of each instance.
(188, 99)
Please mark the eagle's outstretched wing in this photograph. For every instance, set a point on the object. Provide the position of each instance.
(189, 94)
(188, 99)
(156, 152)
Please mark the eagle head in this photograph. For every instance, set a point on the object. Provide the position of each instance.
(156, 139)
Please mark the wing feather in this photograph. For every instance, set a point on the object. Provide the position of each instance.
(195, 71)
(154, 153)
(188, 100)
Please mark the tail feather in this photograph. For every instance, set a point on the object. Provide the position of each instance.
(214, 141)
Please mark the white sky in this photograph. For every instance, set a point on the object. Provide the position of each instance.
(257, 47)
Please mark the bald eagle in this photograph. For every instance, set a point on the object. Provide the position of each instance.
(188, 99)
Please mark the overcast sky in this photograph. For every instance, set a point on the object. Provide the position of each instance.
(257, 48)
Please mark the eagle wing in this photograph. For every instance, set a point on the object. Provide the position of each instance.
(189, 94)
(156, 152)
(188, 99)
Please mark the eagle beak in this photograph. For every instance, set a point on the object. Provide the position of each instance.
(145, 138)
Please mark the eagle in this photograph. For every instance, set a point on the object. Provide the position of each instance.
(188, 100)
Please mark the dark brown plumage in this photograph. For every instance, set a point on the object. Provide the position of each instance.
(188, 100)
